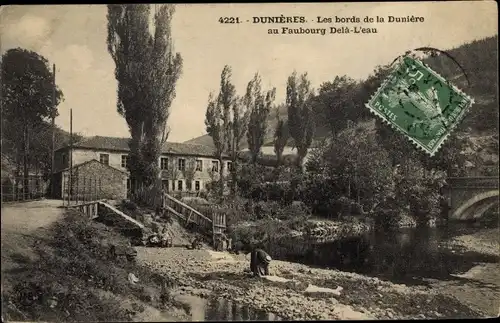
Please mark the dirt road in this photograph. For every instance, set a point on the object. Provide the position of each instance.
(23, 224)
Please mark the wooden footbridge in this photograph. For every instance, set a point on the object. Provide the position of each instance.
(210, 227)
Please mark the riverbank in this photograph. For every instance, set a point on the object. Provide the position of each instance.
(205, 273)
(479, 287)
(55, 267)
(484, 241)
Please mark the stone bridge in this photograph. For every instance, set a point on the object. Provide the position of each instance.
(471, 197)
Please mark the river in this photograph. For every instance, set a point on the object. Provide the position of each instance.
(406, 256)
(409, 255)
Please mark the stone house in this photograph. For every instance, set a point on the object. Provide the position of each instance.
(184, 167)
(91, 180)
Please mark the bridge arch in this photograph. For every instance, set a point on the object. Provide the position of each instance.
(476, 206)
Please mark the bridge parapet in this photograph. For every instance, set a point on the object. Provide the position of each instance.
(473, 182)
(471, 197)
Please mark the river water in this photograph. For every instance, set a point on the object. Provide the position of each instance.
(408, 255)
(221, 309)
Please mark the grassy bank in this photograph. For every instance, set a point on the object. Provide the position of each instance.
(69, 277)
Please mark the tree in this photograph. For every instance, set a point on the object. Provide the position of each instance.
(190, 171)
(300, 115)
(281, 136)
(239, 126)
(339, 101)
(147, 71)
(27, 88)
(218, 119)
(259, 104)
(173, 169)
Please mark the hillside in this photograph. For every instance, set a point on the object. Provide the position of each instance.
(478, 59)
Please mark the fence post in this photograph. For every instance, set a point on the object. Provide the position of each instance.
(90, 190)
(24, 186)
(63, 188)
(77, 188)
(84, 190)
(30, 196)
(68, 191)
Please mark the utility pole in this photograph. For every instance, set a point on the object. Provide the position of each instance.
(53, 187)
(70, 155)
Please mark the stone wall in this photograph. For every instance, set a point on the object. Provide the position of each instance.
(94, 177)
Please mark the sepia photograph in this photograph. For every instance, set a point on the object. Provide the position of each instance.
(174, 162)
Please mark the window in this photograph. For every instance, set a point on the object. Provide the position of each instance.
(163, 163)
(215, 165)
(182, 164)
(199, 165)
(164, 184)
(124, 161)
(173, 186)
(189, 185)
(197, 185)
(179, 185)
(104, 158)
(229, 166)
(64, 159)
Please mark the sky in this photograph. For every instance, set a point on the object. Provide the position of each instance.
(74, 38)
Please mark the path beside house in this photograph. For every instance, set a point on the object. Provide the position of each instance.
(23, 224)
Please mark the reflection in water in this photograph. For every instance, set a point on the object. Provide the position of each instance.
(404, 255)
(220, 309)
(225, 310)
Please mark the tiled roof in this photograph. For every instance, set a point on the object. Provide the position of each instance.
(121, 144)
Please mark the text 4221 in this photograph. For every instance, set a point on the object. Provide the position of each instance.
(229, 20)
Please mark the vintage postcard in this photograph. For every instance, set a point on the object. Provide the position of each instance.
(241, 162)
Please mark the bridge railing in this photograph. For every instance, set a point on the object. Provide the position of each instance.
(478, 182)
(187, 213)
(89, 209)
(209, 226)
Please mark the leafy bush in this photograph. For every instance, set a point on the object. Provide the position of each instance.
(277, 191)
(386, 214)
(319, 193)
(128, 205)
(258, 234)
(248, 177)
(296, 211)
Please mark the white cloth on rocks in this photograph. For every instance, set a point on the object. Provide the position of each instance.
(133, 278)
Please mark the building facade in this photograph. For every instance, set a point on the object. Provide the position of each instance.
(91, 180)
(184, 167)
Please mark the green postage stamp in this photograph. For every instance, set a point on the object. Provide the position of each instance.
(420, 103)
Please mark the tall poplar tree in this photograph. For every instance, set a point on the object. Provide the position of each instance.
(281, 136)
(259, 104)
(147, 70)
(300, 117)
(218, 119)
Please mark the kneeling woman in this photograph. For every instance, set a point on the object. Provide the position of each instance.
(259, 262)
